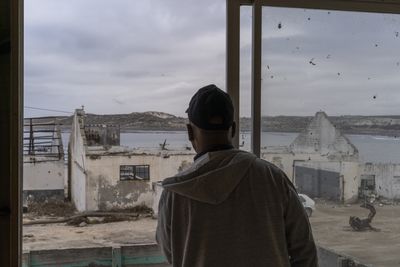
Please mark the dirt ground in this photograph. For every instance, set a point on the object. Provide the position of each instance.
(331, 229)
(329, 223)
(60, 235)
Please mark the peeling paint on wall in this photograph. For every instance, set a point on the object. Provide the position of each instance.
(386, 182)
(125, 194)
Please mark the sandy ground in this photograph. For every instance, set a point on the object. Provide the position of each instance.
(331, 230)
(54, 236)
(329, 223)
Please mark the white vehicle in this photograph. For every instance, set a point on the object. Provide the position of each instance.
(308, 204)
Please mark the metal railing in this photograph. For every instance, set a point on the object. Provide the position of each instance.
(42, 140)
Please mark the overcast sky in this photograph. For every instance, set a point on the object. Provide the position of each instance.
(131, 56)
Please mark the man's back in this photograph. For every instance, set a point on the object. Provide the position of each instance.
(232, 209)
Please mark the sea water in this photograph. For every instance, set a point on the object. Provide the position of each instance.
(371, 148)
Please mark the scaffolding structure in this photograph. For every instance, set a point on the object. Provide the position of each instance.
(42, 140)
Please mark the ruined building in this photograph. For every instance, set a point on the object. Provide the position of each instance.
(43, 160)
(323, 163)
(104, 175)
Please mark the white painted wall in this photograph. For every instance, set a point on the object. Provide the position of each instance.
(158, 189)
(44, 175)
(323, 138)
(105, 190)
(351, 174)
(285, 161)
(348, 171)
(387, 178)
(77, 165)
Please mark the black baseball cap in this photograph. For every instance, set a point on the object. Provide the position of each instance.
(211, 109)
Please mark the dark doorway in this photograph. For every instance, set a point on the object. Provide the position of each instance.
(317, 183)
(367, 186)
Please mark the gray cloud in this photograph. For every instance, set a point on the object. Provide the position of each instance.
(128, 56)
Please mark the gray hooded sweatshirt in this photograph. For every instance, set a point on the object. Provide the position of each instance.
(233, 209)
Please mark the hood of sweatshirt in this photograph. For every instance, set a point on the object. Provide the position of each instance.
(212, 177)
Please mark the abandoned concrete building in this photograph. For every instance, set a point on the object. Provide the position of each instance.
(382, 179)
(320, 161)
(104, 175)
(323, 163)
(43, 158)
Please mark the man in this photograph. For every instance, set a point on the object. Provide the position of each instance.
(230, 208)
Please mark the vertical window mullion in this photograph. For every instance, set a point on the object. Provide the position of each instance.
(232, 59)
(256, 79)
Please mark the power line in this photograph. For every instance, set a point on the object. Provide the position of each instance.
(45, 109)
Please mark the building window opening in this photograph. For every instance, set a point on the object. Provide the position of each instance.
(367, 186)
(134, 172)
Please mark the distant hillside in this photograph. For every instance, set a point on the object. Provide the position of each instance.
(151, 120)
(374, 125)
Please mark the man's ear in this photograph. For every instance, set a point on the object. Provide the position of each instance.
(190, 132)
(233, 130)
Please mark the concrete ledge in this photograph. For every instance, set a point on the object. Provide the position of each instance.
(125, 256)
(140, 255)
(331, 258)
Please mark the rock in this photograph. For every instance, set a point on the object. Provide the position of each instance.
(82, 224)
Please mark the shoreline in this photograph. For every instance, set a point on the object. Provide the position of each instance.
(394, 135)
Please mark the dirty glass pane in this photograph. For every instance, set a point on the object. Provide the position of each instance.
(245, 77)
(331, 121)
(142, 172)
(127, 172)
(107, 84)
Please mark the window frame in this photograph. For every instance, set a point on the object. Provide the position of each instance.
(233, 47)
(11, 115)
(135, 172)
